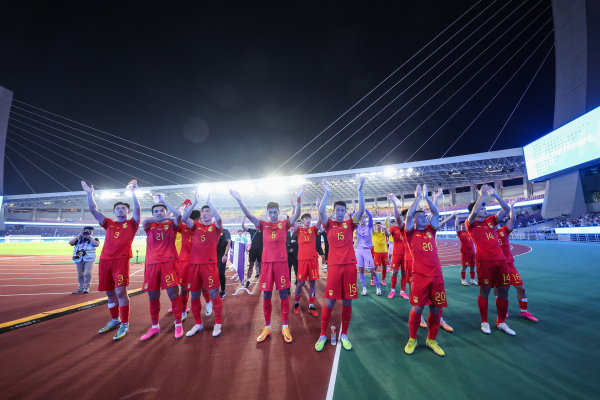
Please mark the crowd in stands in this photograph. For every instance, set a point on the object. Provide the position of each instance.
(584, 220)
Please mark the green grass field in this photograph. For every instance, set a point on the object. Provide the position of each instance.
(556, 358)
(58, 249)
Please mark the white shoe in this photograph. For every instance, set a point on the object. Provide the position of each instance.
(474, 282)
(194, 330)
(364, 292)
(378, 292)
(485, 328)
(183, 316)
(464, 283)
(217, 330)
(208, 308)
(505, 328)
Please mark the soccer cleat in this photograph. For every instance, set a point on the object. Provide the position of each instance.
(264, 334)
(248, 283)
(85, 290)
(474, 282)
(170, 310)
(392, 294)
(383, 283)
(410, 346)
(79, 290)
(257, 275)
(527, 315)
(178, 331)
(464, 283)
(372, 283)
(378, 292)
(423, 323)
(404, 295)
(506, 315)
(123, 329)
(345, 342)
(320, 343)
(364, 292)
(445, 326)
(485, 328)
(112, 324)
(194, 330)
(222, 294)
(183, 316)
(287, 336)
(208, 308)
(217, 330)
(151, 332)
(297, 309)
(432, 344)
(313, 312)
(505, 328)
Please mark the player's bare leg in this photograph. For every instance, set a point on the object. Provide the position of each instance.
(522, 299)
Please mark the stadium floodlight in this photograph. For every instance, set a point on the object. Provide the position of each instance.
(410, 170)
(108, 195)
(389, 171)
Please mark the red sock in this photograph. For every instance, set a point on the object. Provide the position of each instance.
(346, 317)
(522, 304)
(297, 298)
(124, 310)
(114, 312)
(285, 311)
(433, 323)
(394, 280)
(267, 311)
(184, 301)
(372, 281)
(218, 308)
(441, 311)
(502, 306)
(176, 304)
(402, 283)
(311, 301)
(197, 311)
(472, 274)
(325, 318)
(463, 275)
(154, 311)
(414, 321)
(383, 272)
(483, 308)
(206, 296)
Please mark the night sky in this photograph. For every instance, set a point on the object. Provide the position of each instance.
(239, 87)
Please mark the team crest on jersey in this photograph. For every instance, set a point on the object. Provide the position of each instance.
(125, 225)
(279, 225)
(264, 285)
(331, 292)
(210, 228)
(415, 299)
(490, 225)
(486, 281)
(429, 235)
(166, 227)
(310, 231)
(502, 234)
(345, 225)
(146, 286)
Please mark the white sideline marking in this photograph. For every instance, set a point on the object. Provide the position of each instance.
(334, 367)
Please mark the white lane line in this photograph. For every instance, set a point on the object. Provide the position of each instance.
(334, 367)
(54, 284)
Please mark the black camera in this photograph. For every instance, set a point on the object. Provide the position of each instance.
(79, 254)
(86, 233)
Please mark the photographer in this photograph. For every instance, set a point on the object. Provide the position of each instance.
(84, 256)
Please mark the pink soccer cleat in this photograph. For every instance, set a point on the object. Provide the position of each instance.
(383, 283)
(391, 295)
(527, 315)
(151, 332)
(404, 295)
(372, 283)
(178, 331)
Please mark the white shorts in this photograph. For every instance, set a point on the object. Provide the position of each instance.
(364, 259)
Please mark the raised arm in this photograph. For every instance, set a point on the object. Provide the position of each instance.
(505, 207)
(399, 219)
(435, 214)
(92, 203)
(482, 193)
(298, 209)
(322, 213)
(511, 222)
(175, 214)
(149, 221)
(457, 224)
(185, 218)
(410, 222)
(244, 224)
(215, 213)
(137, 212)
(445, 221)
(361, 200)
(245, 210)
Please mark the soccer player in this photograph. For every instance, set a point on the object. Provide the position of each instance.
(204, 271)
(364, 259)
(515, 278)
(380, 251)
(427, 284)
(274, 268)
(398, 252)
(308, 261)
(113, 267)
(255, 251)
(492, 269)
(341, 277)
(467, 253)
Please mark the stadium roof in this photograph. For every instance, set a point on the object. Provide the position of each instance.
(398, 178)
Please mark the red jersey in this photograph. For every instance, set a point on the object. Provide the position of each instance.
(340, 238)
(186, 241)
(160, 243)
(466, 244)
(204, 243)
(483, 233)
(119, 236)
(307, 243)
(274, 235)
(503, 235)
(424, 250)
(408, 252)
(398, 240)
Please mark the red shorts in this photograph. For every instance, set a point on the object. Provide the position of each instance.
(161, 275)
(426, 290)
(407, 268)
(380, 259)
(515, 277)
(183, 267)
(341, 282)
(200, 275)
(493, 273)
(274, 273)
(397, 261)
(467, 259)
(112, 274)
(308, 270)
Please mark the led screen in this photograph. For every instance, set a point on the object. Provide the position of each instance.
(575, 143)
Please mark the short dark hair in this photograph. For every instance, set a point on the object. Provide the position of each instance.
(272, 204)
(404, 212)
(305, 215)
(88, 228)
(419, 211)
(377, 223)
(461, 223)
(392, 221)
(471, 205)
(204, 207)
(195, 215)
(339, 203)
(120, 203)
(158, 205)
